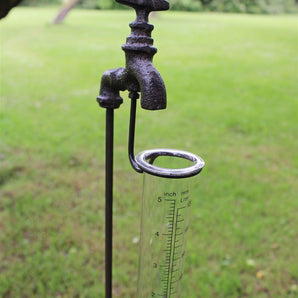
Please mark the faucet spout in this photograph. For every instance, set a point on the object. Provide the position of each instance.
(150, 82)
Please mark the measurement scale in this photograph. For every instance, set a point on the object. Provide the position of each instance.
(173, 254)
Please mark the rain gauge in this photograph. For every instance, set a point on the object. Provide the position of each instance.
(168, 173)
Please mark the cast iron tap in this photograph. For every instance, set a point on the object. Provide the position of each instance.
(139, 74)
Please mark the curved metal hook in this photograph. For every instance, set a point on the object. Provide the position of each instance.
(131, 137)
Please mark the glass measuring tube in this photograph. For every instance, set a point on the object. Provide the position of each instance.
(165, 221)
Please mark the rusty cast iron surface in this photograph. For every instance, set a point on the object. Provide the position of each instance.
(139, 74)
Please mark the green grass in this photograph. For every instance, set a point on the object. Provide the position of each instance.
(232, 99)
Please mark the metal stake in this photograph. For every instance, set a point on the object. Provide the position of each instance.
(109, 200)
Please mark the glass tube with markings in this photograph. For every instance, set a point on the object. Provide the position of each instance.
(164, 223)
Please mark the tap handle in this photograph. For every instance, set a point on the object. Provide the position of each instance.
(149, 5)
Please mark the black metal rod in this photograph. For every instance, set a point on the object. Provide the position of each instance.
(109, 201)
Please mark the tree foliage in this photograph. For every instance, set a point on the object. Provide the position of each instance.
(252, 6)
(241, 6)
(6, 6)
(244, 6)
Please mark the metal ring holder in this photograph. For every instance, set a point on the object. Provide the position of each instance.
(145, 160)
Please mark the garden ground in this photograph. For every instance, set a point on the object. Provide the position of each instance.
(232, 99)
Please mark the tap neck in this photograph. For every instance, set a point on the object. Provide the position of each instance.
(140, 38)
(140, 41)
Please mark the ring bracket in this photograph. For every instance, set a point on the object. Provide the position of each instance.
(145, 160)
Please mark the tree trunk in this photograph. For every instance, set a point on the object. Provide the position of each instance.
(65, 9)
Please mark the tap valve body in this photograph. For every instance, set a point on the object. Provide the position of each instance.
(139, 74)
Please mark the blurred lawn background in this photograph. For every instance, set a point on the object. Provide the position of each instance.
(232, 99)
